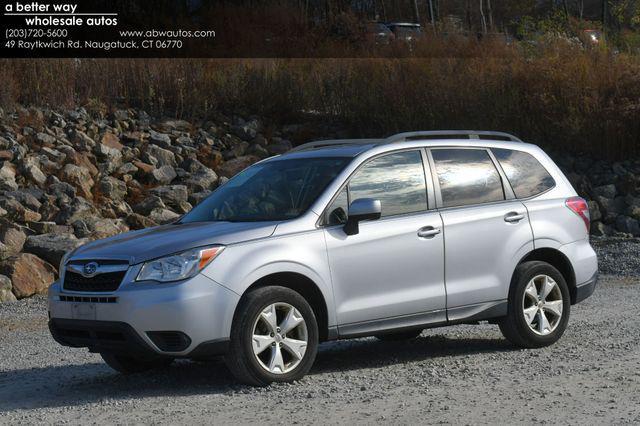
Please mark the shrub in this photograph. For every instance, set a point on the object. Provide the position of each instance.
(561, 97)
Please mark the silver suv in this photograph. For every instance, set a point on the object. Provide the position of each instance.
(338, 239)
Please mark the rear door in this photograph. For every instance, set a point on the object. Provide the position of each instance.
(486, 229)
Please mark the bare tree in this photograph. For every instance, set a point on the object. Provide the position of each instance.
(580, 8)
(431, 15)
(483, 20)
(416, 14)
(490, 14)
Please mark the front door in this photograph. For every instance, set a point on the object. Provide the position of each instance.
(390, 274)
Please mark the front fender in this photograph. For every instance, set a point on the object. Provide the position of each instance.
(241, 265)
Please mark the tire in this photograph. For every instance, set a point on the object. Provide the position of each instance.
(398, 336)
(129, 365)
(524, 326)
(253, 328)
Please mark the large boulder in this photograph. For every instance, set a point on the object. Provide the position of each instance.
(28, 198)
(6, 295)
(160, 139)
(111, 156)
(163, 216)
(77, 209)
(12, 239)
(112, 188)
(17, 212)
(138, 221)
(279, 146)
(148, 204)
(163, 157)
(164, 175)
(31, 169)
(628, 225)
(196, 198)
(29, 274)
(52, 247)
(174, 196)
(607, 191)
(97, 228)
(82, 141)
(247, 130)
(8, 177)
(235, 166)
(79, 178)
(202, 179)
(111, 141)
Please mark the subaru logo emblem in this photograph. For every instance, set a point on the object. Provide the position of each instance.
(90, 269)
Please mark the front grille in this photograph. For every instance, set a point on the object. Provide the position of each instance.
(87, 299)
(109, 281)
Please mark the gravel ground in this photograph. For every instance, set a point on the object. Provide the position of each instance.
(461, 374)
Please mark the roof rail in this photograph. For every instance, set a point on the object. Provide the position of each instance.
(401, 137)
(332, 142)
(449, 134)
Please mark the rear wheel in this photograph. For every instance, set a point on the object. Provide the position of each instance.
(401, 335)
(274, 337)
(539, 305)
(128, 364)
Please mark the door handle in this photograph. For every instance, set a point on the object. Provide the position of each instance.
(513, 217)
(428, 232)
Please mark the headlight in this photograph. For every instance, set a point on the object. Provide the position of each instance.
(178, 266)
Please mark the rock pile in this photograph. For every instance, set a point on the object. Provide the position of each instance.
(68, 178)
(612, 190)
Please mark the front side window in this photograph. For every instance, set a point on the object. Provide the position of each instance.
(467, 176)
(397, 180)
(526, 175)
(271, 191)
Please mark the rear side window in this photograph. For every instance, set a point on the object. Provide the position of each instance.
(467, 176)
(526, 175)
(397, 180)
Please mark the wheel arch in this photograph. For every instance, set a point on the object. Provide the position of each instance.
(558, 260)
(304, 286)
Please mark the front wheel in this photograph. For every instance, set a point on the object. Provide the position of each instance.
(539, 305)
(274, 337)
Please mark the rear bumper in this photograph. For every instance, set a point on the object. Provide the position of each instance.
(586, 289)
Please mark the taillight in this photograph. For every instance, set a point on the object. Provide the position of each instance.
(580, 207)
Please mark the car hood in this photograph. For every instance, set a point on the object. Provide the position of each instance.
(151, 243)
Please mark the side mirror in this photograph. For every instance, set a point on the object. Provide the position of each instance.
(359, 210)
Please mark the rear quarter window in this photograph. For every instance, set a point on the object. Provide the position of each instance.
(525, 174)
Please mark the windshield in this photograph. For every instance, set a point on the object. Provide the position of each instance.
(275, 190)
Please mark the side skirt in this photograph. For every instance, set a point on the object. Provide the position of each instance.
(440, 318)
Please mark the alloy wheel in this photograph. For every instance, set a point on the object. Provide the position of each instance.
(542, 305)
(279, 338)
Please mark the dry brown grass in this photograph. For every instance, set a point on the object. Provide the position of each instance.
(562, 97)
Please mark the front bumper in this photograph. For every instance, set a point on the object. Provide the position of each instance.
(185, 319)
